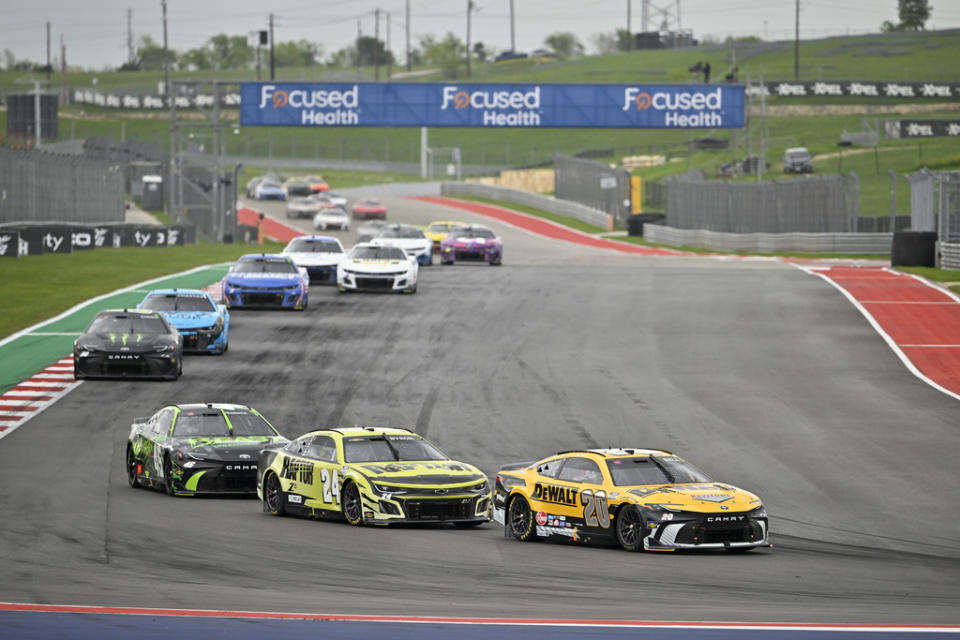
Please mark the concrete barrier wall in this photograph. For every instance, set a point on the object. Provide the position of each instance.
(560, 207)
(865, 243)
(949, 255)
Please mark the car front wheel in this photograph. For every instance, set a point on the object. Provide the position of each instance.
(167, 477)
(352, 504)
(630, 528)
(132, 463)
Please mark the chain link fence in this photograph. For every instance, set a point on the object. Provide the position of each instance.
(593, 184)
(816, 204)
(36, 186)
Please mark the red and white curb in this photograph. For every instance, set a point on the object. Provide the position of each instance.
(35, 394)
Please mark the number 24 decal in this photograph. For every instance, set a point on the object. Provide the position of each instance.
(331, 486)
(595, 512)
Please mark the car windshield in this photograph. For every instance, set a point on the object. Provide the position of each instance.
(439, 228)
(335, 212)
(311, 245)
(472, 232)
(178, 302)
(389, 448)
(377, 253)
(258, 265)
(798, 155)
(401, 232)
(200, 423)
(369, 203)
(267, 184)
(245, 423)
(127, 323)
(653, 470)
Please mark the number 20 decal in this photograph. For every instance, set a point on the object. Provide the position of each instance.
(595, 512)
(331, 486)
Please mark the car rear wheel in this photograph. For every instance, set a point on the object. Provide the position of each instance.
(521, 519)
(273, 495)
(352, 504)
(132, 463)
(630, 528)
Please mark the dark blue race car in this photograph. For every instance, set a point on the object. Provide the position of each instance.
(266, 281)
(204, 324)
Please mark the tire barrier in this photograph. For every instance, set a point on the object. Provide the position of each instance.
(914, 249)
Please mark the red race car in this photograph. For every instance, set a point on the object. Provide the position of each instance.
(369, 209)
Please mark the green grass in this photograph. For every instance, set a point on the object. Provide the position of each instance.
(46, 285)
(924, 55)
(566, 221)
(944, 276)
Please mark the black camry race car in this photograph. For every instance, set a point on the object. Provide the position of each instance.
(188, 449)
(128, 343)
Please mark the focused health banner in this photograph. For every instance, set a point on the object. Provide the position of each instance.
(648, 106)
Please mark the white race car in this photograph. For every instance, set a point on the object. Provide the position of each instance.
(319, 255)
(375, 267)
(409, 238)
(335, 218)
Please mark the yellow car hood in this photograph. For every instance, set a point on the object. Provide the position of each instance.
(710, 497)
(440, 472)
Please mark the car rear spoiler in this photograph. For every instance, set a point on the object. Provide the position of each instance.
(516, 465)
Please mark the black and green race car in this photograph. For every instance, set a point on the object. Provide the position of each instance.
(190, 449)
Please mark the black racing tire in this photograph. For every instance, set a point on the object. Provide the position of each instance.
(167, 478)
(273, 501)
(352, 504)
(631, 528)
(132, 478)
(446, 263)
(520, 519)
(468, 525)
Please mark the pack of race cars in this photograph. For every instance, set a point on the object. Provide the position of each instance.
(637, 498)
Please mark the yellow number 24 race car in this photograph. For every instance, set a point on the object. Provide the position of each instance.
(639, 498)
(372, 475)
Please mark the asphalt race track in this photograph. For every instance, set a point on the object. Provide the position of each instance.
(763, 376)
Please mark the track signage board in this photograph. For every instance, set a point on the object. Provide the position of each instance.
(663, 106)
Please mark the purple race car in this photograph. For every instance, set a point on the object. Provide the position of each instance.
(473, 243)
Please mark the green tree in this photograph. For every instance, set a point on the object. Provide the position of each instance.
(198, 58)
(447, 55)
(372, 52)
(480, 51)
(230, 52)
(619, 40)
(564, 45)
(150, 56)
(301, 53)
(913, 14)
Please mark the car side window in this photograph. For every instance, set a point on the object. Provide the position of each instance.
(322, 448)
(550, 468)
(163, 421)
(581, 470)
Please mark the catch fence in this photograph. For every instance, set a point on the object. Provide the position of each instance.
(37, 186)
(593, 184)
(814, 204)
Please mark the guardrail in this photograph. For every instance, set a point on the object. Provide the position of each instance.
(949, 255)
(551, 205)
(865, 243)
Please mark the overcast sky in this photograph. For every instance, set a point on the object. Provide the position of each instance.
(95, 31)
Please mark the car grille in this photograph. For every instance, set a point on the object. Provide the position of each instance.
(471, 256)
(380, 284)
(262, 299)
(322, 274)
(703, 532)
(459, 509)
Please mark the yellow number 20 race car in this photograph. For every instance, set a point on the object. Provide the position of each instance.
(371, 475)
(639, 498)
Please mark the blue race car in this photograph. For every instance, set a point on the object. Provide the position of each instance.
(204, 324)
(266, 281)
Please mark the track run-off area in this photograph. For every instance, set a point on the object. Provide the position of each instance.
(812, 386)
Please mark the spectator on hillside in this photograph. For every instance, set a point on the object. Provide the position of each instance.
(706, 73)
